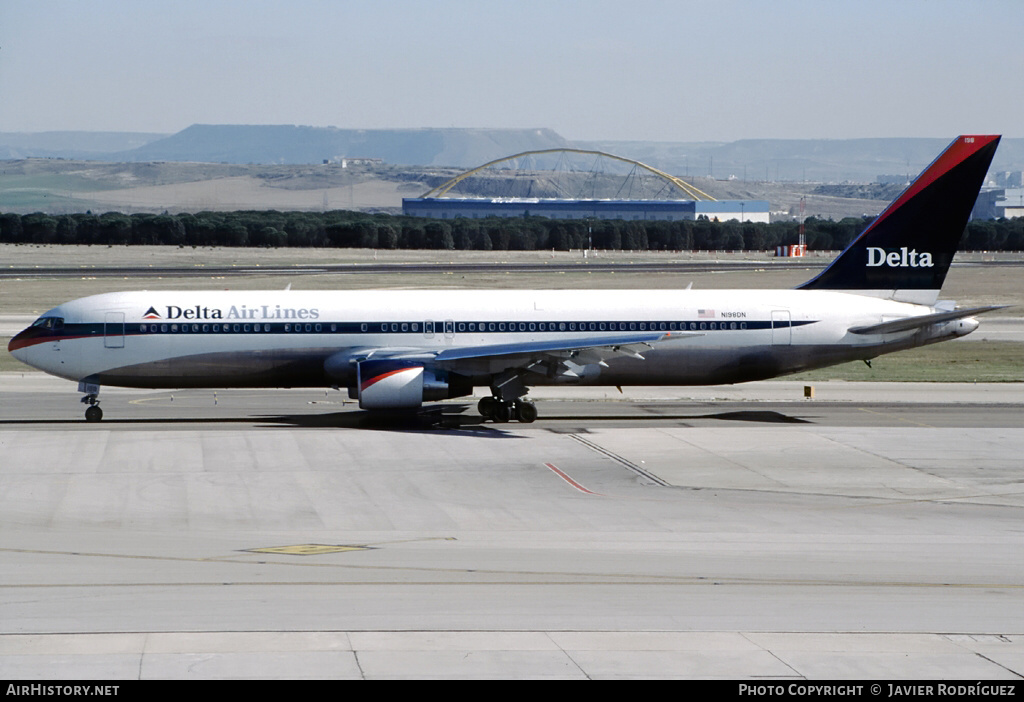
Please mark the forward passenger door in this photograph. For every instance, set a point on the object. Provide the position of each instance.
(113, 330)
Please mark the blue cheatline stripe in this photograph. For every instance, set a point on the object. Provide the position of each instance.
(75, 331)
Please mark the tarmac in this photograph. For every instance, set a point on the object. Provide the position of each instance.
(738, 532)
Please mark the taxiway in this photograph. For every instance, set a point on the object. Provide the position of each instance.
(708, 532)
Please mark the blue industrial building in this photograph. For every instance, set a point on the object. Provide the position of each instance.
(474, 208)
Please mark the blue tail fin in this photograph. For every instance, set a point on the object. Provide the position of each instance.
(905, 253)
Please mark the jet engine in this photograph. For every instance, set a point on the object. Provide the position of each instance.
(388, 384)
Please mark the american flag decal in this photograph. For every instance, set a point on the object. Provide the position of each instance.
(705, 314)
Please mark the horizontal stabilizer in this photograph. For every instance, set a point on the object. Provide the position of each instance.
(910, 323)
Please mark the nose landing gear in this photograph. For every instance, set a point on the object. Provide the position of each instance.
(93, 413)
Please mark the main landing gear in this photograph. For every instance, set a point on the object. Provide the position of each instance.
(506, 401)
(500, 411)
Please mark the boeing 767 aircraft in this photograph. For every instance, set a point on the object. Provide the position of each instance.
(396, 350)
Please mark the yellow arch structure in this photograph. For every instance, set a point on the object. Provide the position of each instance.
(690, 191)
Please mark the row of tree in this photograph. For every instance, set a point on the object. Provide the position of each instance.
(381, 231)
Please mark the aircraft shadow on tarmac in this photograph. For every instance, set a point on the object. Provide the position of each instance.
(447, 419)
(442, 419)
(438, 419)
(760, 416)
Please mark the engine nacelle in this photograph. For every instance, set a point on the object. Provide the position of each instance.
(403, 385)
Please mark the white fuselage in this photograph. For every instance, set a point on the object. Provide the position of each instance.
(284, 338)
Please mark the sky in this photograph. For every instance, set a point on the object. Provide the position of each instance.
(668, 70)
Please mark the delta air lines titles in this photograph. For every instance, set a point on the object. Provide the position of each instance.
(264, 312)
(898, 259)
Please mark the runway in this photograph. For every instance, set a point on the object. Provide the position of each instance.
(735, 532)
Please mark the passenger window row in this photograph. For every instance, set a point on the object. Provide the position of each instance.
(463, 327)
(229, 328)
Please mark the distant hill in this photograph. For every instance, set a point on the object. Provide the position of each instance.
(82, 145)
(280, 144)
(792, 160)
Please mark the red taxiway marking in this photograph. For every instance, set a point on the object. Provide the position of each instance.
(569, 480)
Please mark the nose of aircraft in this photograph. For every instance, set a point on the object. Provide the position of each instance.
(19, 341)
(21, 344)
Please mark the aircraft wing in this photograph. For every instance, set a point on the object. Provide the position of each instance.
(556, 357)
(925, 320)
(617, 344)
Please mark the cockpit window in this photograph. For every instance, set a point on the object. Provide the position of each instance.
(54, 323)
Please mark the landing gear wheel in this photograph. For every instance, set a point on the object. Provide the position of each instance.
(93, 413)
(499, 411)
(502, 412)
(526, 411)
(486, 407)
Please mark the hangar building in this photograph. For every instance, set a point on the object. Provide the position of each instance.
(567, 200)
(474, 208)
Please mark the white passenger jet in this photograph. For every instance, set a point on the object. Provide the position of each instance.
(395, 350)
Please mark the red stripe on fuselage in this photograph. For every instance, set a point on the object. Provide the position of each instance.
(23, 340)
